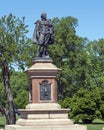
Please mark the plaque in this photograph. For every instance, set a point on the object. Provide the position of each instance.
(45, 90)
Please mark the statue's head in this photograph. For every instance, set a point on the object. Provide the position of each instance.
(43, 16)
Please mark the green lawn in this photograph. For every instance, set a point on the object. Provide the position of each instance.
(2, 121)
(97, 124)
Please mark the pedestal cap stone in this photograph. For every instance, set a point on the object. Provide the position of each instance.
(42, 67)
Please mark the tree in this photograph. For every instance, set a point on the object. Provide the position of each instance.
(95, 63)
(13, 51)
(69, 54)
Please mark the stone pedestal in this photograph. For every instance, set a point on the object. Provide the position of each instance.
(43, 112)
(43, 84)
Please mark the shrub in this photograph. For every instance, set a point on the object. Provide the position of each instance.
(85, 105)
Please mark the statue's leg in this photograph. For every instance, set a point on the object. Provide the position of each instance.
(44, 51)
(46, 40)
(38, 50)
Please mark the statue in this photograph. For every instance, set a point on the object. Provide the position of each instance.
(43, 35)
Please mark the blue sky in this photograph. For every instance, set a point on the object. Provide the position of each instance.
(90, 13)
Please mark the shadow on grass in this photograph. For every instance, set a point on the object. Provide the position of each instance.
(94, 123)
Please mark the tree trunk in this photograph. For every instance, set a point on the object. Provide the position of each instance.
(10, 113)
(5, 112)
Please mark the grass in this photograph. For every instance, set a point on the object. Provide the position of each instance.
(2, 122)
(96, 125)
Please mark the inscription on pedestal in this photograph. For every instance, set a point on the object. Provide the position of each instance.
(45, 90)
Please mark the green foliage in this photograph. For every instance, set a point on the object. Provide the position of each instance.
(69, 54)
(95, 63)
(19, 82)
(65, 103)
(86, 104)
(14, 45)
(64, 30)
(21, 99)
(102, 104)
(19, 85)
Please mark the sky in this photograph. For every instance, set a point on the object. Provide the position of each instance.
(90, 13)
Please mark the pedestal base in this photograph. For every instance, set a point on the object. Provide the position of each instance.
(45, 116)
(51, 127)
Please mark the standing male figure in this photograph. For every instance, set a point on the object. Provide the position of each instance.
(43, 35)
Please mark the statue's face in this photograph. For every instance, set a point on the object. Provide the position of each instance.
(43, 16)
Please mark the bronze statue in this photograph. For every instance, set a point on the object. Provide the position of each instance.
(43, 35)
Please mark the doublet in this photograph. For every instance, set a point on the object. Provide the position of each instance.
(43, 26)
